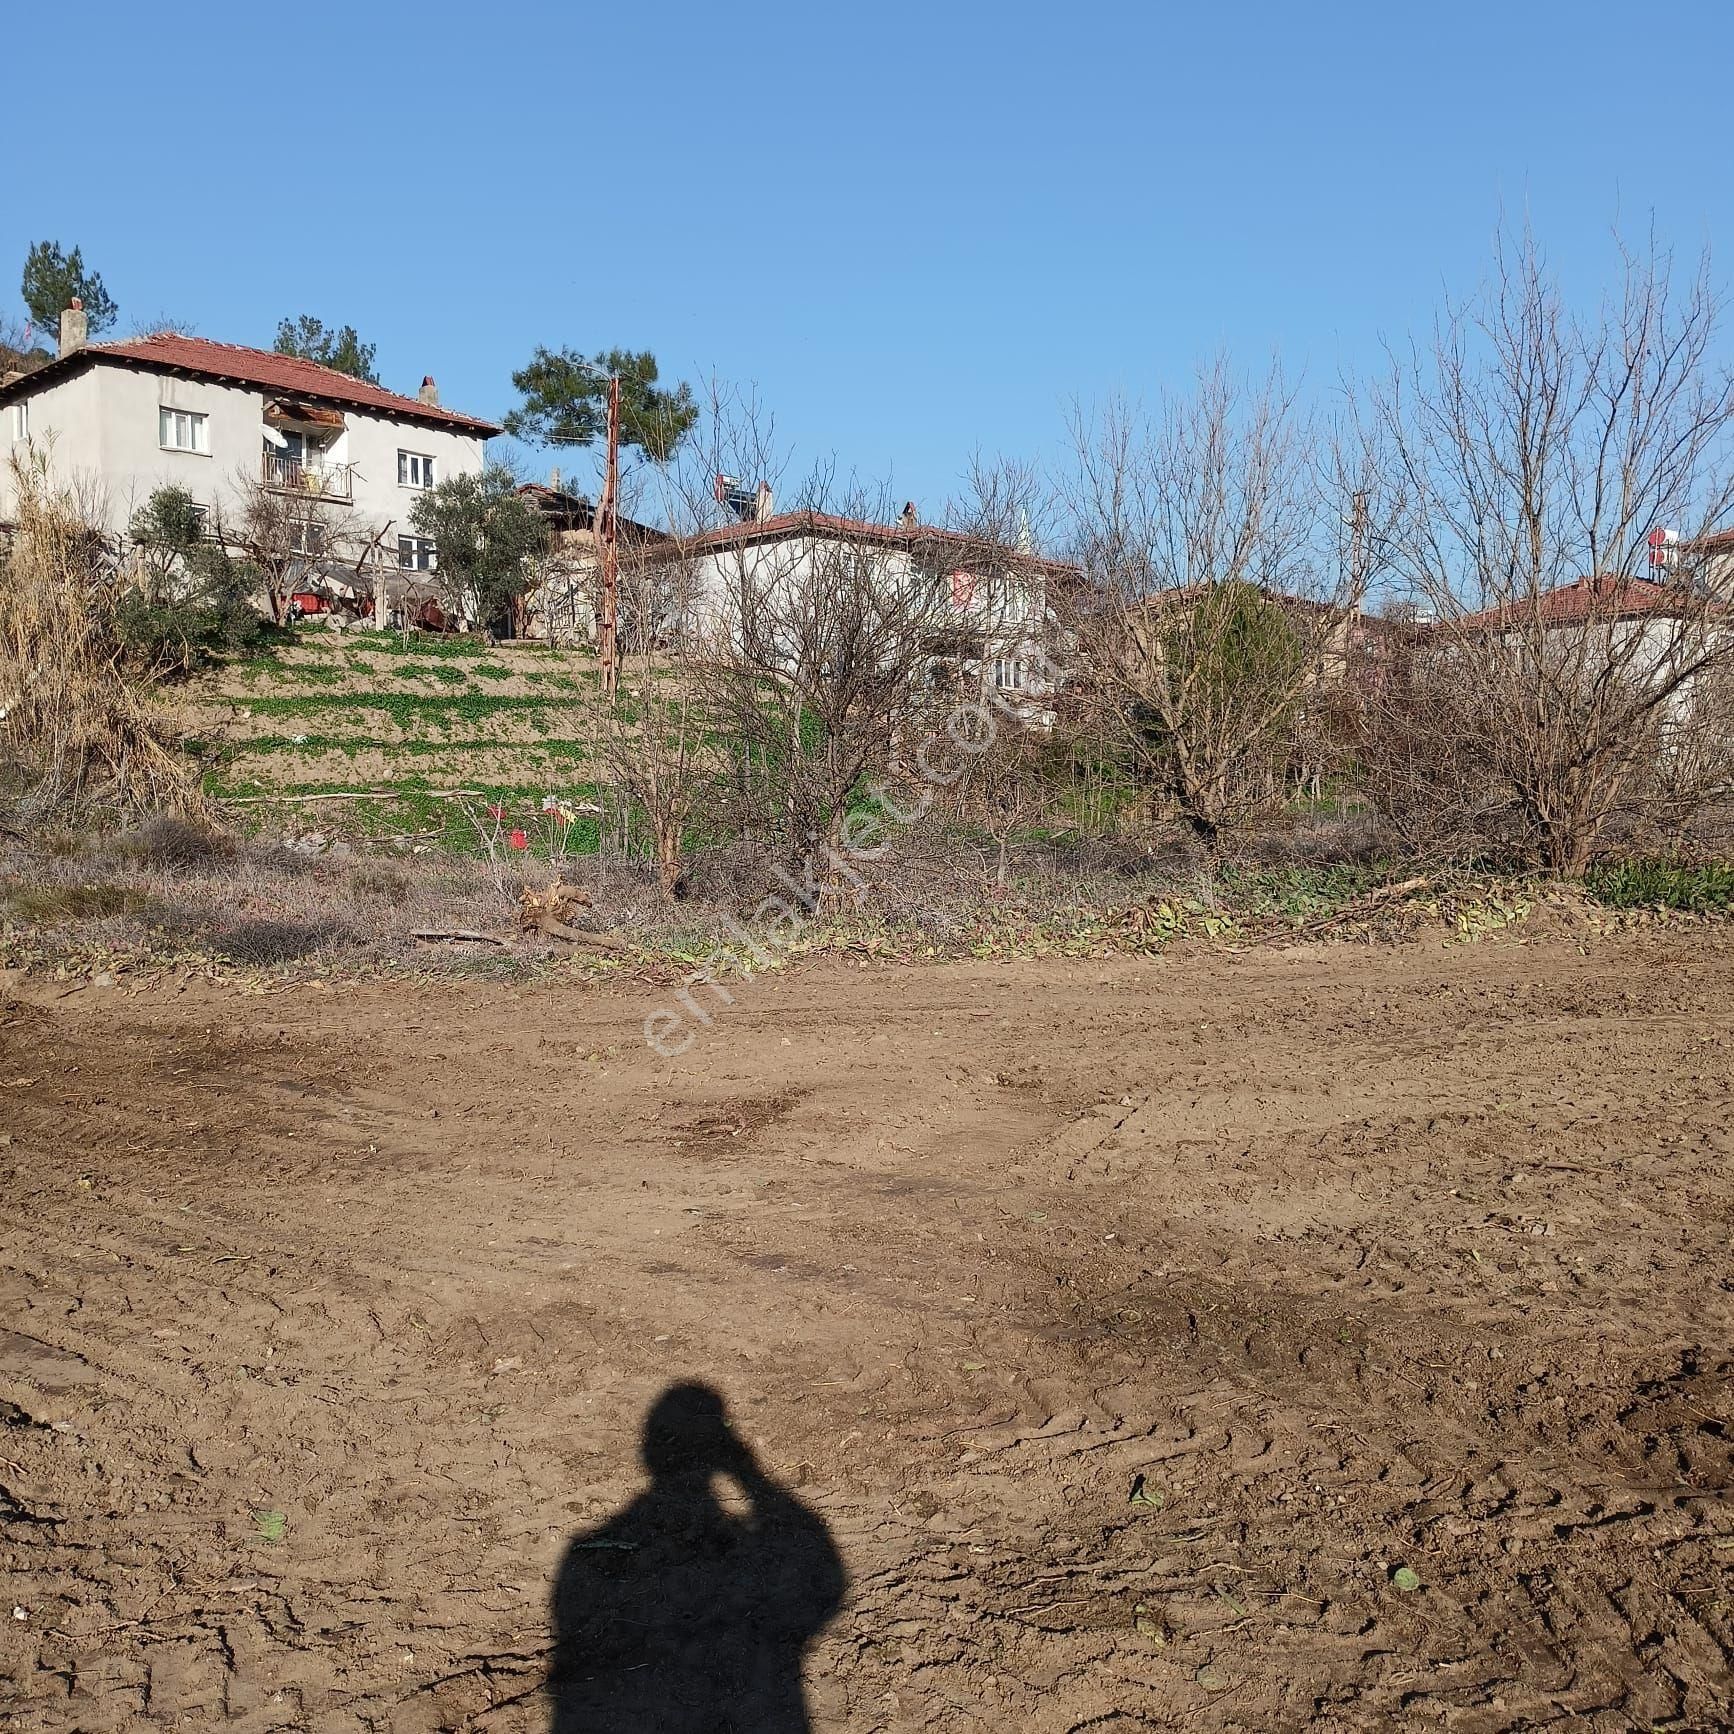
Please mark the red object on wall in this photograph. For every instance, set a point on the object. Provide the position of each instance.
(310, 602)
(962, 589)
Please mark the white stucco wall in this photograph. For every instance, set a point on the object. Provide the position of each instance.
(1011, 628)
(100, 432)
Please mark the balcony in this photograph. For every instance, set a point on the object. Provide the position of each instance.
(317, 481)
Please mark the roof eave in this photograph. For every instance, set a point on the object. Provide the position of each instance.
(64, 367)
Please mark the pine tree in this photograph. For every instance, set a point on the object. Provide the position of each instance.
(52, 278)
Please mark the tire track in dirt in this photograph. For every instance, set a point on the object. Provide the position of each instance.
(961, 1294)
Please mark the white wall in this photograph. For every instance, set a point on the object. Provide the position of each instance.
(1011, 627)
(100, 431)
(374, 442)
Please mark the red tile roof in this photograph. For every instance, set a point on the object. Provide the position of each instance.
(783, 526)
(1606, 596)
(257, 367)
(1713, 542)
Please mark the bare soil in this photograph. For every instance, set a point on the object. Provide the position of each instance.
(333, 1315)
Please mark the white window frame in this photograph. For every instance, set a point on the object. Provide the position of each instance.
(417, 554)
(198, 430)
(308, 547)
(21, 419)
(1008, 673)
(414, 470)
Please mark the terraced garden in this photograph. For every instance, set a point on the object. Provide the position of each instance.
(419, 730)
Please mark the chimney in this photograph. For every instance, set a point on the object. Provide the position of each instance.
(429, 393)
(74, 327)
(907, 518)
(554, 479)
(763, 501)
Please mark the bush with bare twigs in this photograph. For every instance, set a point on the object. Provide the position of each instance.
(1214, 596)
(1565, 691)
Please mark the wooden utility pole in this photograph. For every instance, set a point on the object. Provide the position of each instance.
(608, 548)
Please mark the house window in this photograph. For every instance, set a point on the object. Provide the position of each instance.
(1008, 673)
(21, 421)
(182, 430)
(202, 516)
(307, 536)
(415, 553)
(414, 470)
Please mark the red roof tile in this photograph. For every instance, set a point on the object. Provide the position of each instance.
(784, 525)
(258, 367)
(1607, 596)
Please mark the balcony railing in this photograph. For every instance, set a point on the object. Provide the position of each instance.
(318, 480)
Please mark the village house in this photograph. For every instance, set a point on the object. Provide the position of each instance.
(117, 421)
(989, 603)
(1667, 635)
(562, 605)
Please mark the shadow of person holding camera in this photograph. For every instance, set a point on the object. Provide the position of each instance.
(689, 1612)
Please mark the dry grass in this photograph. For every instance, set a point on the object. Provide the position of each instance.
(75, 731)
(174, 894)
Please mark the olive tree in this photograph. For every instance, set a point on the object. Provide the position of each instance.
(488, 540)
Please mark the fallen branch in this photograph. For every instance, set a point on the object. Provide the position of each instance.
(1355, 908)
(548, 912)
(452, 933)
(583, 936)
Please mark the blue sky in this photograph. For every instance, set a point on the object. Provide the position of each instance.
(917, 230)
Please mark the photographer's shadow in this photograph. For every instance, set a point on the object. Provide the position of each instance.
(681, 1616)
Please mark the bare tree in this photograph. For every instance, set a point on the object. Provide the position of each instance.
(1213, 597)
(290, 536)
(819, 651)
(1540, 450)
(658, 749)
(1011, 783)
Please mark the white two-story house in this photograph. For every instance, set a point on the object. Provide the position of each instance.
(117, 421)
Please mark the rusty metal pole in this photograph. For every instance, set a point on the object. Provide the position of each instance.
(607, 524)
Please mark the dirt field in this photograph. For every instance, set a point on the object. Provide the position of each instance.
(333, 1318)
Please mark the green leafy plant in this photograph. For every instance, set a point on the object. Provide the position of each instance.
(185, 600)
(1663, 885)
(489, 539)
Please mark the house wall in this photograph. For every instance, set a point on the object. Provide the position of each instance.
(794, 559)
(1013, 629)
(374, 442)
(100, 430)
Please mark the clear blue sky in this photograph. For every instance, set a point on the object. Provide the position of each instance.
(918, 229)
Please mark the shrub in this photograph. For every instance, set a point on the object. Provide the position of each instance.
(261, 943)
(45, 903)
(384, 882)
(167, 841)
(187, 599)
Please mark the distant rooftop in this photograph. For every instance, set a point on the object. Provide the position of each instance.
(1606, 596)
(783, 526)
